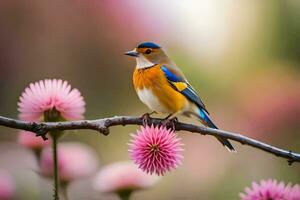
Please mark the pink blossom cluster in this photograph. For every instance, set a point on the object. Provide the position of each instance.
(122, 176)
(55, 96)
(75, 161)
(271, 190)
(30, 140)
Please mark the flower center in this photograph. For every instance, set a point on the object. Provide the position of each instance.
(154, 148)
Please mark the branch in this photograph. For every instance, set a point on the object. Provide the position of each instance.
(102, 125)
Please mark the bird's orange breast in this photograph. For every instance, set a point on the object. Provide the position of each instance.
(153, 79)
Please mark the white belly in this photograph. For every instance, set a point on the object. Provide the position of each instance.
(148, 98)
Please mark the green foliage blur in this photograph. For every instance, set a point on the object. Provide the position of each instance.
(243, 57)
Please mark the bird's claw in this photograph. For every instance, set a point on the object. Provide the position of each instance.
(146, 118)
(170, 123)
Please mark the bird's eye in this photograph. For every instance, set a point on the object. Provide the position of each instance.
(148, 51)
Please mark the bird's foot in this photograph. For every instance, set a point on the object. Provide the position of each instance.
(170, 123)
(167, 117)
(146, 118)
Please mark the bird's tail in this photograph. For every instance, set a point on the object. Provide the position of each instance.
(206, 120)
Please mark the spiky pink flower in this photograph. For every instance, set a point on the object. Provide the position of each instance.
(155, 149)
(7, 186)
(293, 192)
(270, 190)
(75, 161)
(48, 95)
(29, 140)
(122, 176)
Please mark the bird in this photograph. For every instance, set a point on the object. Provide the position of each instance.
(162, 86)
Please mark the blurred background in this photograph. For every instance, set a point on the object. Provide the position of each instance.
(243, 58)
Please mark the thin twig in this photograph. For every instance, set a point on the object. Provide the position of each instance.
(102, 125)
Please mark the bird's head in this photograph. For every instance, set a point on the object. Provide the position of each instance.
(147, 54)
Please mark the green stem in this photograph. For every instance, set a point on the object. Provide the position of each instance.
(64, 188)
(125, 194)
(55, 167)
(53, 116)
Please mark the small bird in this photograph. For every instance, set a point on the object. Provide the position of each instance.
(162, 86)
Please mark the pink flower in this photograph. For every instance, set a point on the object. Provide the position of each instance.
(271, 190)
(7, 186)
(293, 192)
(122, 176)
(155, 149)
(48, 95)
(29, 140)
(75, 161)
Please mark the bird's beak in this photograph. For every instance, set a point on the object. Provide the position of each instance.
(132, 53)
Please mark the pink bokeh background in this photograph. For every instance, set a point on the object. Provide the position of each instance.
(242, 58)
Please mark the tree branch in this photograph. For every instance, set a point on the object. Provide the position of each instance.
(102, 125)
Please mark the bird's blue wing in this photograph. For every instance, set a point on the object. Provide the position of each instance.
(172, 75)
(179, 83)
